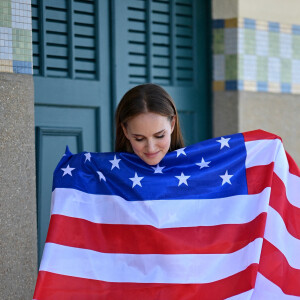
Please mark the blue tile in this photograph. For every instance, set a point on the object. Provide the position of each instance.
(249, 23)
(240, 85)
(296, 29)
(285, 87)
(231, 85)
(262, 86)
(28, 64)
(274, 26)
(220, 23)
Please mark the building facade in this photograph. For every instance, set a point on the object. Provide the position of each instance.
(230, 65)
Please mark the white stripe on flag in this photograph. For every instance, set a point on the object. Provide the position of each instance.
(148, 268)
(261, 152)
(161, 214)
(292, 186)
(243, 296)
(274, 152)
(266, 289)
(277, 234)
(291, 182)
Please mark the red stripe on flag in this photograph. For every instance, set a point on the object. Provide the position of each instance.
(259, 135)
(288, 212)
(258, 178)
(52, 286)
(274, 266)
(145, 239)
(293, 168)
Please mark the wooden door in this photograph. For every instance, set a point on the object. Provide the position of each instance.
(71, 60)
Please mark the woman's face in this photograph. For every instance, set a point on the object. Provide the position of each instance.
(150, 136)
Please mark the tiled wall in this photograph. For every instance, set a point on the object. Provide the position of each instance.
(254, 55)
(15, 36)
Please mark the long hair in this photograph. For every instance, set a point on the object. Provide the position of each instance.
(141, 99)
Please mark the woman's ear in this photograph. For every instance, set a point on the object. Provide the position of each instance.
(125, 131)
(173, 122)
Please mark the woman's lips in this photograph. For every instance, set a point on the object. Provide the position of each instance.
(150, 155)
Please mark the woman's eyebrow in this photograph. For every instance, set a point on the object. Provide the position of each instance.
(159, 132)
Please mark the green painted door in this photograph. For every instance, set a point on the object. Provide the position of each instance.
(166, 42)
(87, 54)
(72, 87)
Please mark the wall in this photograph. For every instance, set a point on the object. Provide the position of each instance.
(18, 241)
(256, 72)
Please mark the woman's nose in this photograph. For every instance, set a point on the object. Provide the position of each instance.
(150, 146)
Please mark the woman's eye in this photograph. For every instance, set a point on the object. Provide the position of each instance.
(160, 137)
(138, 140)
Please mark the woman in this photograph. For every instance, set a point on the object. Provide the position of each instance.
(147, 123)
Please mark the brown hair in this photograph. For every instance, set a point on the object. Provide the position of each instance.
(141, 99)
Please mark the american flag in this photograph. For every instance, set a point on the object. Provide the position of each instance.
(215, 220)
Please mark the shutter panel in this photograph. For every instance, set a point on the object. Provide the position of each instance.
(184, 42)
(64, 38)
(160, 42)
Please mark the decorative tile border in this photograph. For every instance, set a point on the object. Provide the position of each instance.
(15, 36)
(254, 55)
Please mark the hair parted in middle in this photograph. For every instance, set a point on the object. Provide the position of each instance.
(142, 99)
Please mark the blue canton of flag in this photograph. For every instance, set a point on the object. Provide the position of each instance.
(209, 169)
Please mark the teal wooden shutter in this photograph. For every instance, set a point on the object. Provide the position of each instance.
(166, 42)
(64, 39)
(71, 58)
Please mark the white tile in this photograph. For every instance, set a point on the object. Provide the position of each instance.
(274, 69)
(285, 41)
(262, 43)
(295, 71)
(250, 67)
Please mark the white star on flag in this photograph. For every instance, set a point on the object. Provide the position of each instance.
(203, 164)
(224, 142)
(101, 176)
(157, 169)
(226, 178)
(68, 170)
(182, 179)
(115, 162)
(87, 156)
(136, 180)
(180, 151)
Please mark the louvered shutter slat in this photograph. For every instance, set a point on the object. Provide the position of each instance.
(136, 3)
(56, 4)
(161, 61)
(84, 30)
(161, 18)
(82, 41)
(86, 6)
(59, 39)
(85, 19)
(55, 15)
(85, 54)
(137, 37)
(57, 51)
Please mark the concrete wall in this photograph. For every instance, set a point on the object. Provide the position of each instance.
(245, 107)
(283, 11)
(18, 242)
(244, 111)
